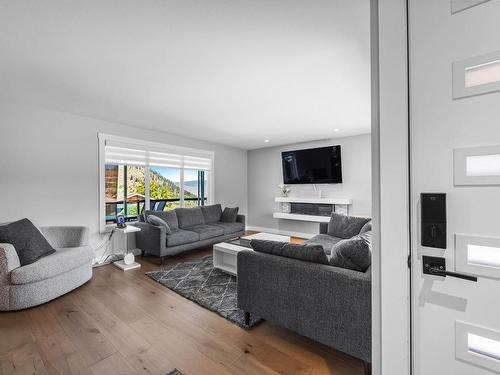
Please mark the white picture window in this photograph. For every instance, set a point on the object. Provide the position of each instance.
(139, 175)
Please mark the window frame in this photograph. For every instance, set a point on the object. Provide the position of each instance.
(149, 146)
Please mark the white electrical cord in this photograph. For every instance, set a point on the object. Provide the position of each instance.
(106, 242)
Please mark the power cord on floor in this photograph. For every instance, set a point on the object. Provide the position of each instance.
(107, 241)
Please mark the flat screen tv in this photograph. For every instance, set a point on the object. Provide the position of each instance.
(313, 166)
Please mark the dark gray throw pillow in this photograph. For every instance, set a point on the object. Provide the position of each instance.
(229, 215)
(212, 213)
(307, 253)
(159, 222)
(353, 254)
(29, 243)
(343, 226)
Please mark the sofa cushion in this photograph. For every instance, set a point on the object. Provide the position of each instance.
(345, 226)
(353, 254)
(61, 261)
(366, 228)
(189, 216)
(181, 237)
(159, 222)
(324, 240)
(230, 228)
(212, 213)
(29, 242)
(206, 231)
(229, 215)
(170, 217)
(307, 253)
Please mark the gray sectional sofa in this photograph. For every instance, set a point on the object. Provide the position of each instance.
(329, 304)
(49, 277)
(187, 229)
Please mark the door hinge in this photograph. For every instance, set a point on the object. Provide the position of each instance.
(408, 261)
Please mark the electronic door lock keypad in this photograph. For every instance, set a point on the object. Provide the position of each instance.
(433, 220)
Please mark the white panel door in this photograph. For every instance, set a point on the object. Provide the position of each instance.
(455, 149)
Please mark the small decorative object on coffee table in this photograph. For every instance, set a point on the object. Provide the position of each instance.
(128, 263)
(226, 253)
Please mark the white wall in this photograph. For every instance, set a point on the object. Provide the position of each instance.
(49, 166)
(265, 173)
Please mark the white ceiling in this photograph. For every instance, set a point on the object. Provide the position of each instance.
(231, 71)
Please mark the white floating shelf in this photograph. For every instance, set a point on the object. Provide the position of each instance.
(299, 217)
(313, 200)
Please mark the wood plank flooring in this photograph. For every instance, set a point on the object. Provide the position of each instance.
(125, 323)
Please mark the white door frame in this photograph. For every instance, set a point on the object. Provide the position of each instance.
(391, 321)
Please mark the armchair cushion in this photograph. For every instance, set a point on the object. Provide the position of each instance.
(307, 253)
(66, 236)
(345, 226)
(61, 261)
(28, 241)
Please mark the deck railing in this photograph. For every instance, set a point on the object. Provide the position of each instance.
(137, 207)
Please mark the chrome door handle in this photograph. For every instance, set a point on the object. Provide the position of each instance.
(437, 266)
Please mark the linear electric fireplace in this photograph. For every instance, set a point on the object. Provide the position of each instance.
(316, 209)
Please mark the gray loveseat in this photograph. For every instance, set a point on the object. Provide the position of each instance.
(188, 228)
(328, 304)
(49, 277)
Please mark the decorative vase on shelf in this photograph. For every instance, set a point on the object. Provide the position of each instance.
(284, 190)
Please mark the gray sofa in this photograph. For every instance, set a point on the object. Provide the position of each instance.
(328, 304)
(189, 228)
(49, 277)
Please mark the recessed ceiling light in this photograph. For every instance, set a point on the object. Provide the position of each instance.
(336, 130)
(266, 140)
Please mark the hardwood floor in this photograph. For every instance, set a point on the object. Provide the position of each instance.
(125, 323)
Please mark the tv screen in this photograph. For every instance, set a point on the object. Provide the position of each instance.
(313, 166)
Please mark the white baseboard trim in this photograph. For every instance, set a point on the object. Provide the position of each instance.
(279, 231)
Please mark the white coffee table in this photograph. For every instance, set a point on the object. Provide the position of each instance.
(226, 253)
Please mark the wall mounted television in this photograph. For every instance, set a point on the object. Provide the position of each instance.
(312, 166)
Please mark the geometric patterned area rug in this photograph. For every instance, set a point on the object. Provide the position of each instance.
(209, 287)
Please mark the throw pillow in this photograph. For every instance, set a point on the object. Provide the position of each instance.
(155, 220)
(229, 215)
(343, 226)
(366, 228)
(169, 217)
(353, 254)
(307, 253)
(212, 213)
(29, 243)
